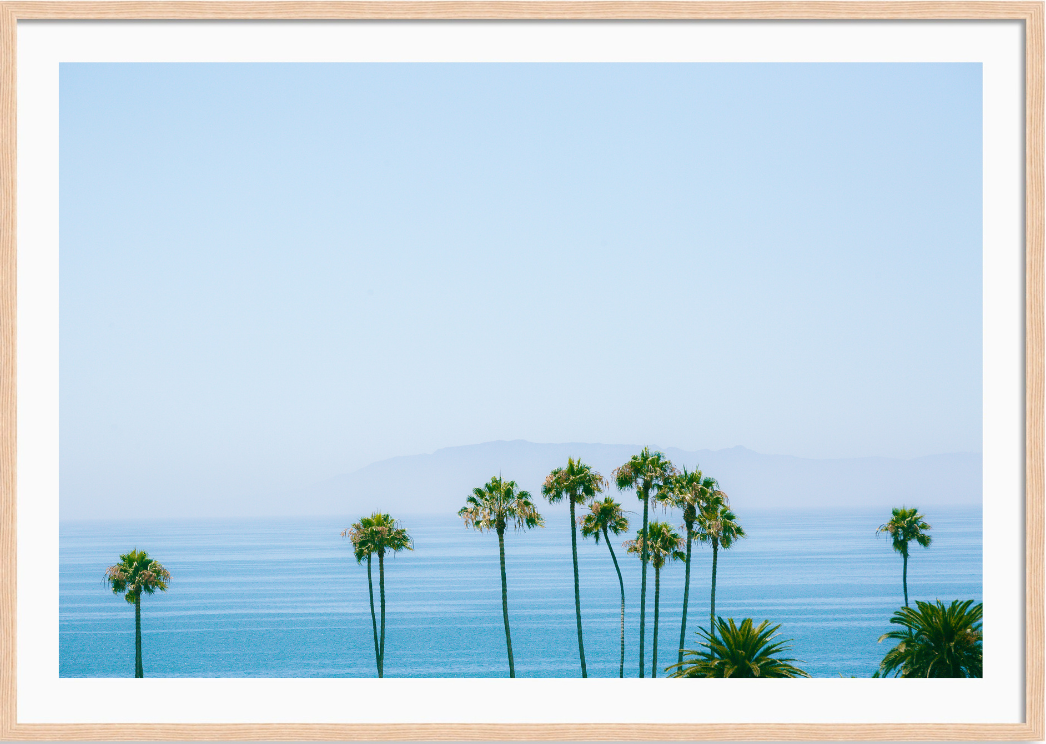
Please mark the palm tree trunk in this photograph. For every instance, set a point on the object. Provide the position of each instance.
(373, 617)
(381, 587)
(904, 578)
(642, 591)
(621, 581)
(577, 590)
(715, 559)
(686, 591)
(138, 671)
(657, 600)
(504, 604)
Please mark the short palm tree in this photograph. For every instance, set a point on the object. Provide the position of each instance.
(648, 472)
(718, 526)
(689, 492)
(663, 544)
(378, 534)
(137, 574)
(493, 507)
(904, 526)
(578, 483)
(935, 641)
(743, 650)
(604, 517)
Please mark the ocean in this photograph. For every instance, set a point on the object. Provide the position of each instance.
(284, 597)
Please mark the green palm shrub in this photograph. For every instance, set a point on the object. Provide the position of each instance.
(935, 640)
(744, 650)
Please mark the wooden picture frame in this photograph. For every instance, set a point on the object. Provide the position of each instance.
(1030, 13)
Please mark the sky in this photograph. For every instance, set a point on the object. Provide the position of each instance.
(272, 274)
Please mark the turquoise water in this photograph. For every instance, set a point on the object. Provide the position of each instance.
(284, 597)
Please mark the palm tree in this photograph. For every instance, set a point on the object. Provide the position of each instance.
(689, 492)
(137, 574)
(375, 535)
(738, 651)
(494, 507)
(717, 525)
(662, 545)
(606, 516)
(578, 483)
(936, 641)
(648, 471)
(904, 526)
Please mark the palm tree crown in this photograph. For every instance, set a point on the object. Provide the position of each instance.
(137, 574)
(663, 545)
(498, 504)
(743, 650)
(716, 524)
(935, 640)
(904, 526)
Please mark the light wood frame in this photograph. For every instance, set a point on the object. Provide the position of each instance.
(1031, 13)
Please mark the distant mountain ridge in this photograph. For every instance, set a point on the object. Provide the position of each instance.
(438, 483)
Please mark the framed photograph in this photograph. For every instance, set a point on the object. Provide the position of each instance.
(519, 370)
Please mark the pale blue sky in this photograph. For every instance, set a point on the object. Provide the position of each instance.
(271, 274)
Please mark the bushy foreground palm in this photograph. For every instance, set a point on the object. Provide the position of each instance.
(935, 640)
(137, 574)
(744, 650)
(604, 517)
(689, 491)
(377, 534)
(578, 483)
(904, 526)
(662, 545)
(718, 526)
(646, 472)
(493, 507)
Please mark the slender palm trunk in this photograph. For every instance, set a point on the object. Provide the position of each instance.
(373, 618)
(621, 581)
(657, 600)
(138, 671)
(715, 558)
(504, 604)
(686, 590)
(381, 587)
(577, 590)
(642, 591)
(904, 578)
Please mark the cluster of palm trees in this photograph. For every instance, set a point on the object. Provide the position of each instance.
(706, 517)
(933, 640)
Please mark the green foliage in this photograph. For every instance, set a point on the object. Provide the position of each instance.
(136, 574)
(715, 523)
(577, 482)
(935, 640)
(377, 534)
(743, 650)
(689, 491)
(663, 544)
(904, 526)
(648, 471)
(497, 504)
(606, 514)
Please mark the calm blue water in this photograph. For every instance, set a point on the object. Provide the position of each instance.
(285, 598)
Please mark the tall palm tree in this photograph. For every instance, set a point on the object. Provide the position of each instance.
(718, 526)
(493, 507)
(936, 641)
(904, 526)
(740, 651)
(606, 516)
(646, 472)
(662, 545)
(137, 574)
(578, 483)
(378, 534)
(689, 491)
